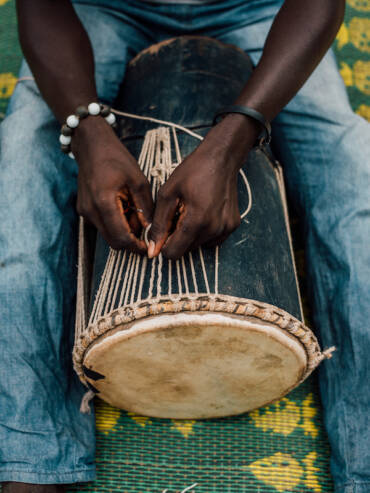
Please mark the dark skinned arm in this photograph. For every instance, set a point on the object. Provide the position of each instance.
(205, 183)
(58, 51)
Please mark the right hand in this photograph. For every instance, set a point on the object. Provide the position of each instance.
(108, 178)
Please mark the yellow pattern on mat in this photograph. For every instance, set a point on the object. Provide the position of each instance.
(184, 426)
(357, 33)
(140, 420)
(285, 416)
(284, 472)
(7, 84)
(311, 480)
(364, 111)
(106, 417)
(357, 76)
(361, 5)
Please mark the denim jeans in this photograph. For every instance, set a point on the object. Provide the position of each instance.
(325, 150)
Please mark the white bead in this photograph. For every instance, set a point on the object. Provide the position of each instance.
(71, 155)
(72, 121)
(94, 109)
(111, 118)
(65, 139)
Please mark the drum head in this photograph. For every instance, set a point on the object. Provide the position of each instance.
(194, 365)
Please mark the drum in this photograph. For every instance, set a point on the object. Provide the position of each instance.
(220, 331)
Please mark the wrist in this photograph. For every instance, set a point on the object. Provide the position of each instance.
(90, 128)
(241, 126)
(90, 135)
(233, 138)
(75, 124)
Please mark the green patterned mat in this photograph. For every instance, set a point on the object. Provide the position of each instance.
(280, 448)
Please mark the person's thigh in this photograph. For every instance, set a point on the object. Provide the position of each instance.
(324, 148)
(43, 436)
(116, 38)
(41, 431)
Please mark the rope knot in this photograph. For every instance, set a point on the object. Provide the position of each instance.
(162, 170)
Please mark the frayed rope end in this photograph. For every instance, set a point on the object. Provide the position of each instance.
(328, 353)
(85, 403)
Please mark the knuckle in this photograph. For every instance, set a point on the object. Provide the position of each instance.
(141, 186)
(172, 253)
(164, 194)
(195, 224)
(214, 229)
(188, 228)
(103, 201)
(233, 225)
(83, 210)
(119, 243)
(115, 244)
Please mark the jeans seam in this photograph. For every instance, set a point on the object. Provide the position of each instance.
(59, 473)
(326, 280)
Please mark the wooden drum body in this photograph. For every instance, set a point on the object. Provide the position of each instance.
(220, 331)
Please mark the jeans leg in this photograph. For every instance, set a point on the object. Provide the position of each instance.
(43, 436)
(325, 149)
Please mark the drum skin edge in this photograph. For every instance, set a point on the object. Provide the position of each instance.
(124, 319)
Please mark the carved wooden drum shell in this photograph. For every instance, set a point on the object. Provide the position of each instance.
(219, 332)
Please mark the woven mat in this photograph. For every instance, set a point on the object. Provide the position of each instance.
(280, 448)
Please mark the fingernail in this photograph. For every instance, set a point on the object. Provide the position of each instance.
(151, 248)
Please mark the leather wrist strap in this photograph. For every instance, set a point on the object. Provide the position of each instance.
(265, 137)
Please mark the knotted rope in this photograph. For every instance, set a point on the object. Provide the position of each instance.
(124, 274)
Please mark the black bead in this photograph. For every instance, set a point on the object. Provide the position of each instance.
(66, 130)
(82, 112)
(65, 149)
(105, 110)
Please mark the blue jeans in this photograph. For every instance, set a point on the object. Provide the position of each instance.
(325, 149)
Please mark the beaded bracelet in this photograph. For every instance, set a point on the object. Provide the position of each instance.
(72, 122)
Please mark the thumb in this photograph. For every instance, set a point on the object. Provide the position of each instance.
(164, 212)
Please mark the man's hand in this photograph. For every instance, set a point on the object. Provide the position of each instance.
(110, 181)
(202, 192)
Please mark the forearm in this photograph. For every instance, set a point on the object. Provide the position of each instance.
(58, 51)
(300, 35)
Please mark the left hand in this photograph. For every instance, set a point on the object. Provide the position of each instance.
(203, 192)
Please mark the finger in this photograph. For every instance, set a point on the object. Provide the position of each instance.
(164, 213)
(87, 210)
(215, 241)
(180, 241)
(141, 196)
(134, 223)
(116, 230)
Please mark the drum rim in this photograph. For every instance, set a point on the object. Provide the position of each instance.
(155, 48)
(200, 303)
(150, 326)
